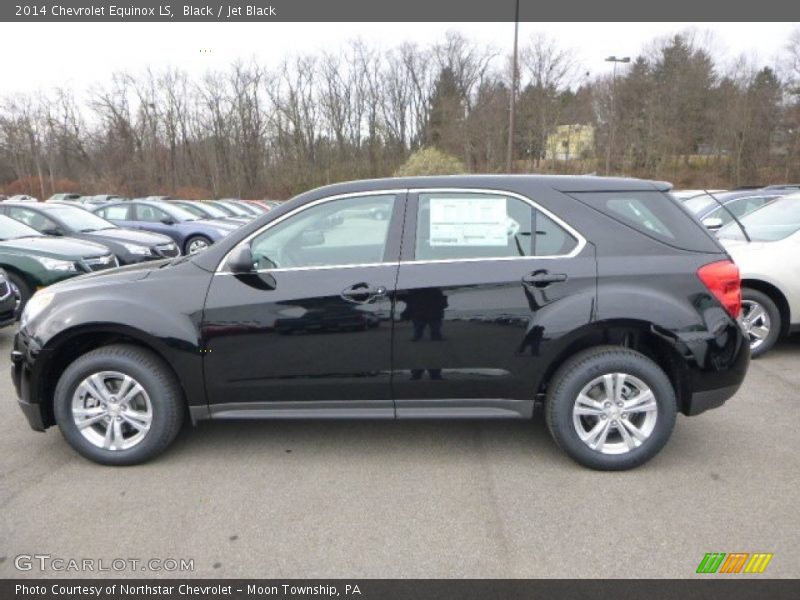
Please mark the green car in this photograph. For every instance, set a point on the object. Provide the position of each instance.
(32, 260)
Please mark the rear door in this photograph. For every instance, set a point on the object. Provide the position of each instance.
(119, 214)
(490, 286)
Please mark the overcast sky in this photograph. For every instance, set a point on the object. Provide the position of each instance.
(45, 55)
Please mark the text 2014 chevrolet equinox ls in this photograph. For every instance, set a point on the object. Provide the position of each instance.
(477, 296)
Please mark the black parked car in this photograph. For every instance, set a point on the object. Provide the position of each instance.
(478, 297)
(129, 245)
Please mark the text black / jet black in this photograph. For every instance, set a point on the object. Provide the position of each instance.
(452, 297)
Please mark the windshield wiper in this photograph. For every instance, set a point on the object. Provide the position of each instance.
(730, 212)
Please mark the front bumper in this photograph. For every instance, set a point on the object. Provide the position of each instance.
(22, 377)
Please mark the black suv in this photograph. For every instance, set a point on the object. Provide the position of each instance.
(476, 296)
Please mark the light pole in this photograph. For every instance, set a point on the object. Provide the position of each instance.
(512, 95)
(615, 60)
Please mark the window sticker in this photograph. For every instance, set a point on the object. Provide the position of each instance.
(469, 221)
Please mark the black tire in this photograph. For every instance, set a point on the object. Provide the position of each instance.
(154, 376)
(754, 296)
(25, 291)
(582, 369)
(195, 238)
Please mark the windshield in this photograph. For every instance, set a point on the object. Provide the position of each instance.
(775, 221)
(699, 204)
(77, 219)
(205, 209)
(178, 213)
(12, 230)
(236, 210)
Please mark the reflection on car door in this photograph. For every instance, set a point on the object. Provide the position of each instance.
(487, 285)
(311, 330)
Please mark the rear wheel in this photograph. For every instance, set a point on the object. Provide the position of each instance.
(611, 408)
(118, 405)
(22, 291)
(196, 243)
(762, 321)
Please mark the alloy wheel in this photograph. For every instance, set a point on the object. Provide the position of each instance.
(112, 410)
(615, 413)
(197, 245)
(17, 297)
(756, 322)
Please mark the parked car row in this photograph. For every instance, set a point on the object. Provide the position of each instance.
(95, 232)
(760, 228)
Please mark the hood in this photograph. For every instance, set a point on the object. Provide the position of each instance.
(134, 236)
(120, 275)
(54, 247)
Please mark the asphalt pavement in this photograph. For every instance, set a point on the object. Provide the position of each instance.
(411, 499)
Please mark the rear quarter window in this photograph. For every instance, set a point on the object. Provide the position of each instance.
(654, 214)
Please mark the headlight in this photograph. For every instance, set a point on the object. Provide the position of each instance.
(54, 264)
(38, 302)
(137, 249)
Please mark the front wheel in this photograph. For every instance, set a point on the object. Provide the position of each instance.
(762, 321)
(196, 243)
(22, 292)
(118, 405)
(611, 408)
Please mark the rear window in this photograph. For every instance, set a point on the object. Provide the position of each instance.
(655, 214)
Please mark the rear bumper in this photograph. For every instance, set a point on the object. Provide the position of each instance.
(700, 402)
(724, 366)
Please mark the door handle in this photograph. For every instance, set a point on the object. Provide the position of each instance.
(363, 293)
(542, 279)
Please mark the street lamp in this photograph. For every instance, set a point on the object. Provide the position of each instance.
(615, 60)
(512, 94)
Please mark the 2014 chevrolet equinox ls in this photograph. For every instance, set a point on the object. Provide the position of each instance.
(477, 296)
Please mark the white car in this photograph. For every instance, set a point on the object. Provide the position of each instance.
(770, 268)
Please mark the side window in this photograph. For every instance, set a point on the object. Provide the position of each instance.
(31, 218)
(119, 212)
(637, 212)
(150, 214)
(349, 231)
(453, 226)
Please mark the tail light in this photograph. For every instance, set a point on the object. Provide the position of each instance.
(723, 281)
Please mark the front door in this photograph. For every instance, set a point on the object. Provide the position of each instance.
(489, 285)
(312, 329)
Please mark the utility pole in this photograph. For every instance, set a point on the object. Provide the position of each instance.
(612, 119)
(512, 95)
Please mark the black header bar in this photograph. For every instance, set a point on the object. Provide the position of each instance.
(389, 11)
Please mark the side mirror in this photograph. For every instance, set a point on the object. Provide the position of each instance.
(712, 223)
(241, 260)
(312, 238)
(52, 231)
(168, 221)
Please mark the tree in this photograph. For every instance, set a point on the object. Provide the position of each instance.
(430, 161)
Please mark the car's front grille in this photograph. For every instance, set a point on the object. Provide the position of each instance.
(101, 263)
(166, 250)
